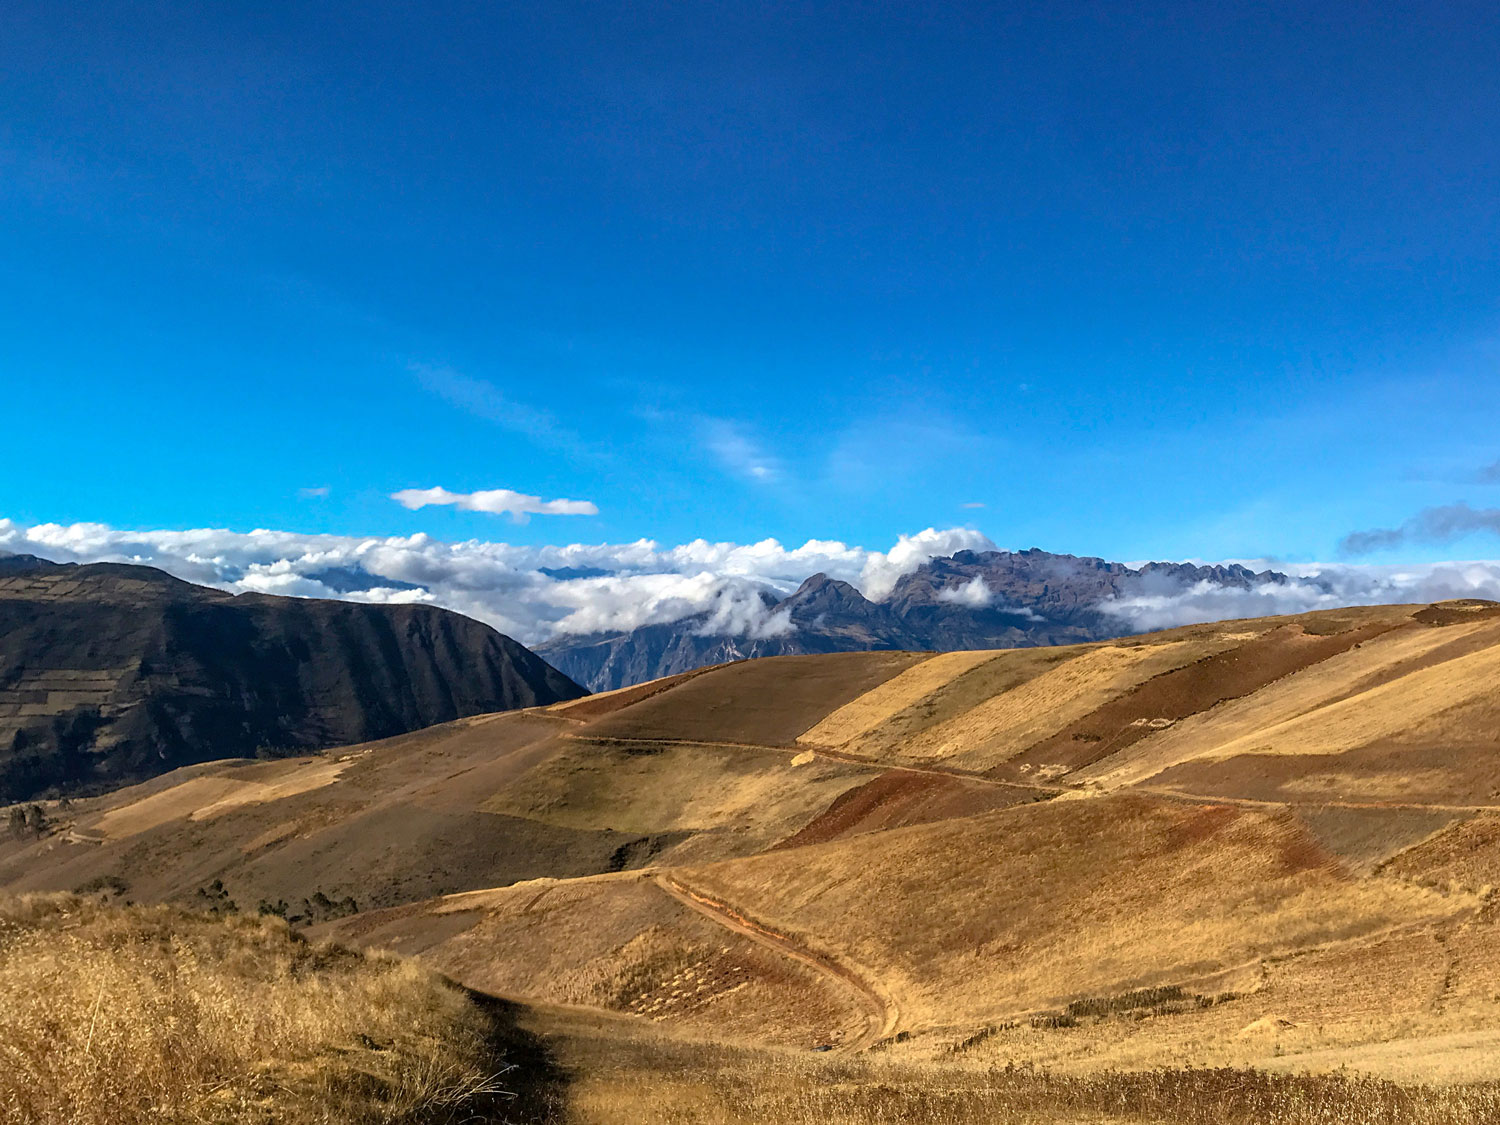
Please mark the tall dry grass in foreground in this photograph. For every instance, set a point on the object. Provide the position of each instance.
(694, 1084)
(112, 1016)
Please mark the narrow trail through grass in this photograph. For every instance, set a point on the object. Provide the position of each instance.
(881, 1013)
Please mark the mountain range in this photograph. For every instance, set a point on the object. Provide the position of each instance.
(113, 673)
(969, 600)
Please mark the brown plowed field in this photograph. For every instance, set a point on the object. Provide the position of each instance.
(769, 702)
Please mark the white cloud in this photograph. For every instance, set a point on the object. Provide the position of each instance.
(1430, 525)
(633, 584)
(496, 501)
(641, 583)
(317, 493)
(974, 594)
(880, 573)
(737, 453)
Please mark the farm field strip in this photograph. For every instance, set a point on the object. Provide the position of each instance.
(1057, 789)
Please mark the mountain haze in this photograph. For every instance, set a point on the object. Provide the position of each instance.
(969, 600)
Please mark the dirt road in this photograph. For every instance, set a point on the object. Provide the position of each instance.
(881, 1014)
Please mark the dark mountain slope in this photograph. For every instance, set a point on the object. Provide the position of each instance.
(970, 600)
(112, 673)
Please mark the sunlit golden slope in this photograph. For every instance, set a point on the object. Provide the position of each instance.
(1204, 845)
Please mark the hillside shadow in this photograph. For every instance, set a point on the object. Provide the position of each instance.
(535, 1084)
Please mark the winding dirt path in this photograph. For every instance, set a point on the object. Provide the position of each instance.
(829, 753)
(881, 1013)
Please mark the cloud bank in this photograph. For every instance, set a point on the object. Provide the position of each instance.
(532, 593)
(536, 593)
(1164, 603)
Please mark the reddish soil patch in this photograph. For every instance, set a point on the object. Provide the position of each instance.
(1460, 611)
(1186, 691)
(898, 798)
(1301, 850)
(1202, 823)
(1297, 848)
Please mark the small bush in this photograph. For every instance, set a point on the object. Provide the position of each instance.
(105, 886)
(214, 899)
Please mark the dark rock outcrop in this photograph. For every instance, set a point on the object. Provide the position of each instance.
(110, 674)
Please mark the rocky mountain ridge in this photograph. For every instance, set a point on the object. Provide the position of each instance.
(968, 600)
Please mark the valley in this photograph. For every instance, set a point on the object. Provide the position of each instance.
(1267, 844)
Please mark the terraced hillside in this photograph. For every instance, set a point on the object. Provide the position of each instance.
(1269, 843)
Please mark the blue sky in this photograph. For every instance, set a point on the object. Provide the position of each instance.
(1142, 280)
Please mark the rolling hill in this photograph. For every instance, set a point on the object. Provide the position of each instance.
(1270, 843)
(113, 673)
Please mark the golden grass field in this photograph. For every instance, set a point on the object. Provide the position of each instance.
(1266, 848)
(112, 1016)
(622, 1075)
(877, 707)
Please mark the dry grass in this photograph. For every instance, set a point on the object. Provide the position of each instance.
(113, 1016)
(1301, 693)
(200, 798)
(1364, 838)
(1209, 1097)
(1006, 724)
(1029, 908)
(626, 945)
(1466, 855)
(763, 702)
(875, 708)
(624, 1082)
(739, 801)
(176, 803)
(1385, 711)
(993, 918)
